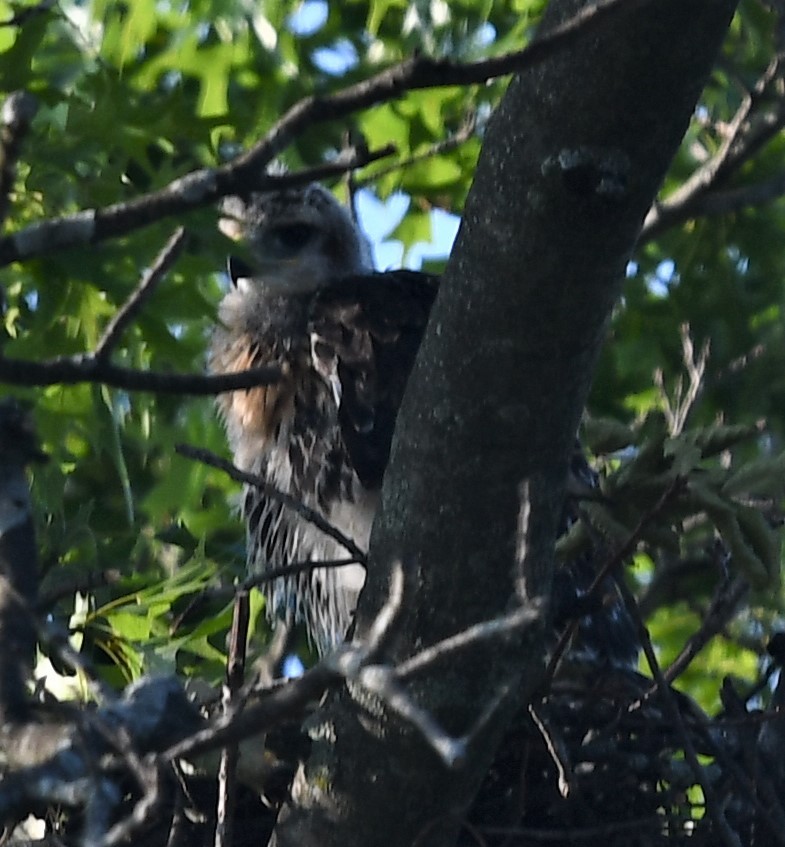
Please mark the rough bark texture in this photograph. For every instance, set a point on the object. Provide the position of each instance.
(572, 161)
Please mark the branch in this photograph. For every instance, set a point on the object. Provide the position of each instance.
(224, 592)
(133, 305)
(206, 185)
(80, 767)
(721, 610)
(191, 191)
(711, 203)
(749, 130)
(295, 568)
(608, 569)
(421, 72)
(95, 367)
(495, 629)
(358, 663)
(464, 132)
(714, 807)
(85, 367)
(305, 512)
(235, 676)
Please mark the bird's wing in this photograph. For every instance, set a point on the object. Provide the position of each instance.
(365, 333)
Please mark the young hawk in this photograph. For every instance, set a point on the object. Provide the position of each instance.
(345, 339)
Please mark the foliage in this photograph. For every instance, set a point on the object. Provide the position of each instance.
(132, 95)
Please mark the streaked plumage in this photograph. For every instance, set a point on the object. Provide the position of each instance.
(345, 339)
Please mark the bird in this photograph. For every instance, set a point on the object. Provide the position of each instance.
(307, 299)
(345, 339)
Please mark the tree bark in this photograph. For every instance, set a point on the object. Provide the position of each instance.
(572, 161)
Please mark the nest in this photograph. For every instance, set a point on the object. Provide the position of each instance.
(607, 758)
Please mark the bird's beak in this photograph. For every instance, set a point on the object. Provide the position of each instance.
(238, 269)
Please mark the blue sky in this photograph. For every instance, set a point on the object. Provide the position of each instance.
(379, 218)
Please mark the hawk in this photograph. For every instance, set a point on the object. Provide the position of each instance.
(345, 339)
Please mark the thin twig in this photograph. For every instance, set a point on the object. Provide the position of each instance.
(713, 806)
(141, 294)
(698, 195)
(720, 612)
(609, 567)
(464, 132)
(555, 749)
(305, 512)
(223, 591)
(296, 568)
(522, 539)
(502, 627)
(235, 676)
(346, 162)
(677, 408)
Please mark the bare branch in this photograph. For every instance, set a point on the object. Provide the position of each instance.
(235, 675)
(464, 132)
(749, 130)
(359, 663)
(522, 539)
(310, 515)
(677, 409)
(722, 609)
(501, 627)
(381, 681)
(556, 750)
(712, 204)
(609, 567)
(385, 681)
(713, 805)
(277, 704)
(95, 367)
(141, 294)
(84, 367)
(384, 624)
(296, 567)
(147, 772)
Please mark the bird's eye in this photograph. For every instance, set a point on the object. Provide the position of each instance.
(293, 236)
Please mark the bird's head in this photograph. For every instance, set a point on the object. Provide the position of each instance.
(297, 239)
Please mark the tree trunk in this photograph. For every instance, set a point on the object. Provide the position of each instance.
(571, 163)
